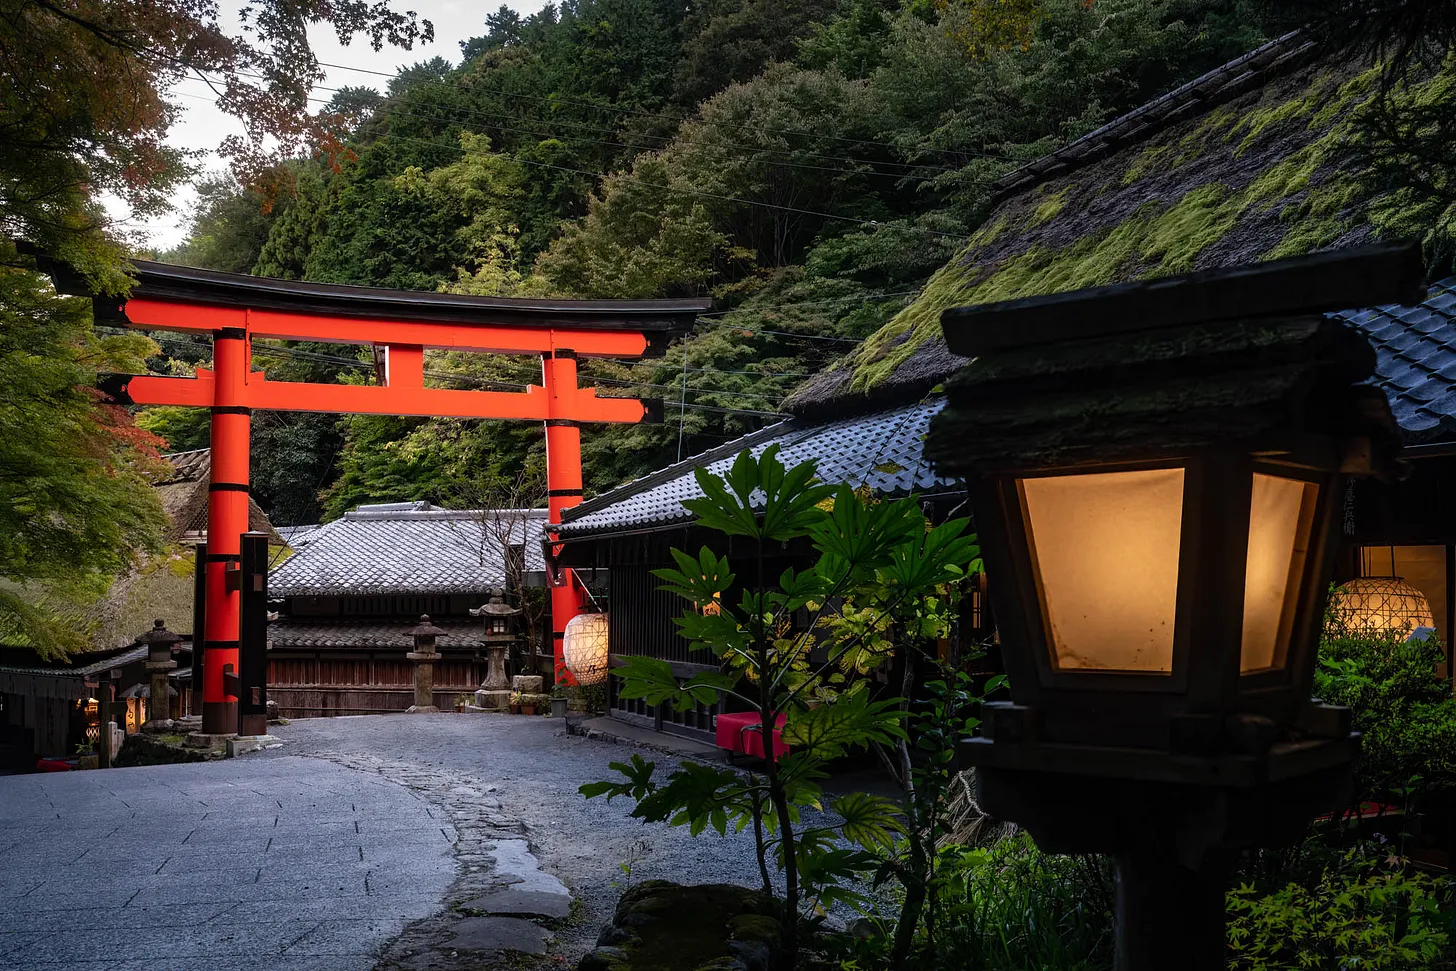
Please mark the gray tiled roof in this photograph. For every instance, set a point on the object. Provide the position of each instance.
(406, 548)
(1415, 350)
(294, 632)
(882, 451)
(119, 659)
(1416, 367)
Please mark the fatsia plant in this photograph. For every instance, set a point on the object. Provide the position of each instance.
(824, 706)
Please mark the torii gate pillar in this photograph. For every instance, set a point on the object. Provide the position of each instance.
(563, 490)
(227, 520)
(234, 309)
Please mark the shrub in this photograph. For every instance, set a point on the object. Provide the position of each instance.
(1404, 712)
(1365, 911)
(1008, 907)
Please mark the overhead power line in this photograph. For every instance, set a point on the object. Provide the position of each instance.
(674, 119)
(459, 112)
(485, 383)
(697, 193)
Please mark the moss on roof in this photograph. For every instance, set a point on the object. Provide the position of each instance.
(1266, 175)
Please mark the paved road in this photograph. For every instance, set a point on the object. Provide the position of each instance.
(534, 769)
(360, 840)
(285, 863)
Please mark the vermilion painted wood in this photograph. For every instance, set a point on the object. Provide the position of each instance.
(233, 389)
(577, 404)
(227, 520)
(361, 330)
(563, 484)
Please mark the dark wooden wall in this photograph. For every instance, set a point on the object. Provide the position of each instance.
(308, 685)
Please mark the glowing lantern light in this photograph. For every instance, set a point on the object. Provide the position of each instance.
(1382, 603)
(586, 648)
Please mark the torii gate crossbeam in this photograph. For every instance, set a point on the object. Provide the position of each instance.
(234, 309)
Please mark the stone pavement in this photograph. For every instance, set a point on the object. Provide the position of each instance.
(288, 863)
(387, 842)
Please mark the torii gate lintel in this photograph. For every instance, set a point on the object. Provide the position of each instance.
(234, 309)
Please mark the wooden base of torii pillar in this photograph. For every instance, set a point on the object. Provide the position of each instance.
(234, 309)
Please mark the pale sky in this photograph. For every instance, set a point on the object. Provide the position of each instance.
(203, 127)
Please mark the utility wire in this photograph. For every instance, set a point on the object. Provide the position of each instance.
(674, 119)
(460, 111)
(486, 382)
(535, 163)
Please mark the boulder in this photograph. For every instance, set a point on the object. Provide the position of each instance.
(528, 683)
(667, 926)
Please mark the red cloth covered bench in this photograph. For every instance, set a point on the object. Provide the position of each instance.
(742, 731)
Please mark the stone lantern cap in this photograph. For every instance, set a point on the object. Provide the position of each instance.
(159, 635)
(495, 607)
(424, 635)
(159, 642)
(425, 628)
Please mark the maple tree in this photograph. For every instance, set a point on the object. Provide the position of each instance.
(85, 108)
(86, 102)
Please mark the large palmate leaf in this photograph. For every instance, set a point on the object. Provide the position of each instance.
(701, 580)
(857, 536)
(647, 678)
(940, 555)
(638, 785)
(720, 632)
(852, 721)
(869, 821)
(696, 796)
(759, 498)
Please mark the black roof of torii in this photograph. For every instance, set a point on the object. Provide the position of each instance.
(185, 284)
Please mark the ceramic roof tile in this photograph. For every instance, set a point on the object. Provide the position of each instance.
(407, 548)
(883, 451)
(1416, 364)
(293, 632)
(1415, 351)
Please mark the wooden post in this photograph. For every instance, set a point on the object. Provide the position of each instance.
(227, 520)
(563, 490)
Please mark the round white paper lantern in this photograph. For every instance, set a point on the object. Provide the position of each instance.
(586, 648)
(1382, 603)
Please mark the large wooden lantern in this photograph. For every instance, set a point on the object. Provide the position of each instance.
(1156, 472)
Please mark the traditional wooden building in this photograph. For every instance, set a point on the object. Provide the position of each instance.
(48, 707)
(1246, 163)
(346, 599)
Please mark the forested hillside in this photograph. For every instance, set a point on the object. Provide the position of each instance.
(808, 163)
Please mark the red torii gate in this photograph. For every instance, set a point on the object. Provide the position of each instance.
(400, 325)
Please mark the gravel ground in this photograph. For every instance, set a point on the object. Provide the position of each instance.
(534, 768)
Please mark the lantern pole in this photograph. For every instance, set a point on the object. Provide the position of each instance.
(424, 657)
(1139, 423)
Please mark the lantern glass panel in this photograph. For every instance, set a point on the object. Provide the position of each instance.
(1105, 548)
(1281, 515)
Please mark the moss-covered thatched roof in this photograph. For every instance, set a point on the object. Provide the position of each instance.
(1251, 162)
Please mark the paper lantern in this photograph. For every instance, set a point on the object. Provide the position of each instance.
(586, 648)
(1382, 603)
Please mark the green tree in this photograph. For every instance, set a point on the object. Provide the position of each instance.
(229, 227)
(75, 504)
(860, 547)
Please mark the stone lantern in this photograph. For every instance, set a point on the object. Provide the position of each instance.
(500, 621)
(424, 656)
(159, 642)
(1156, 469)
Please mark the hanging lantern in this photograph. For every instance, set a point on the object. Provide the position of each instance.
(1382, 604)
(586, 648)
